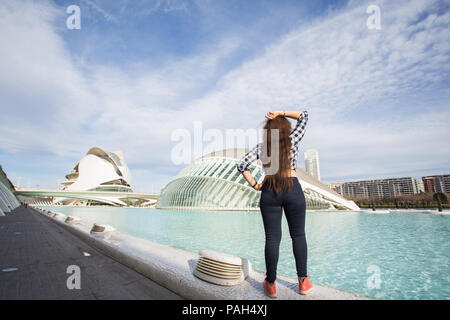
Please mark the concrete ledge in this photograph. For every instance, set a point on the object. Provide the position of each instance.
(173, 268)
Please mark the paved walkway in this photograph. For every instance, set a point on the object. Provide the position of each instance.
(35, 254)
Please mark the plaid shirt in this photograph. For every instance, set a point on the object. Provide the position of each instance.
(295, 136)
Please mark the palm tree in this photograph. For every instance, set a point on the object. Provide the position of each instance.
(440, 198)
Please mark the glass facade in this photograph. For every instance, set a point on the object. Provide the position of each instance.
(214, 183)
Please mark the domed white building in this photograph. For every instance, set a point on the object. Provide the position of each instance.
(212, 182)
(100, 171)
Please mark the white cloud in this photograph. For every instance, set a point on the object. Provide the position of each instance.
(99, 9)
(41, 92)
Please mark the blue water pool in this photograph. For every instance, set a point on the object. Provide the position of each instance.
(400, 255)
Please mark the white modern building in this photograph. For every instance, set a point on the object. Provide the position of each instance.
(312, 163)
(99, 171)
(212, 182)
(99, 178)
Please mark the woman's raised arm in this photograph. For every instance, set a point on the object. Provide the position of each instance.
(289, 114)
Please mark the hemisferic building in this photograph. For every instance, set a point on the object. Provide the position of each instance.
(212, 182)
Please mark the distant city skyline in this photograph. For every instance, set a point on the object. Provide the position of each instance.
(391, 177)
(137, 71)
(394, 186)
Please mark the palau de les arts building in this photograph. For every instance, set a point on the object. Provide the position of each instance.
(99, 170)
(212, 182)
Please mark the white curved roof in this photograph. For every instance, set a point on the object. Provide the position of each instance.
(99, 167)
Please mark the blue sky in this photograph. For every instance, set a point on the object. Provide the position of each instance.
(138, 70)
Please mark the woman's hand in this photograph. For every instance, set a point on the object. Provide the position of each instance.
(258, 187)
(273, 114)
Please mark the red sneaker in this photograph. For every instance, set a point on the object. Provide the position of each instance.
(270, 290)
(305, 286)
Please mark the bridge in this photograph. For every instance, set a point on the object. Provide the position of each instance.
(36, 196)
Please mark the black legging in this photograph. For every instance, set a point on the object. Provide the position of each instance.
(294, 205)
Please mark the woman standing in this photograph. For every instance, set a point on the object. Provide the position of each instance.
(281, 190)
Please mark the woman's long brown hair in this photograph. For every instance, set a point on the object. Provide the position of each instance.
(279, 181)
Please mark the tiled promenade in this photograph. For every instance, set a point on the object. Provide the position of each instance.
(35, 254)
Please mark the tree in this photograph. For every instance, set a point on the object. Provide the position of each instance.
(440, 197)
(439, 206)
